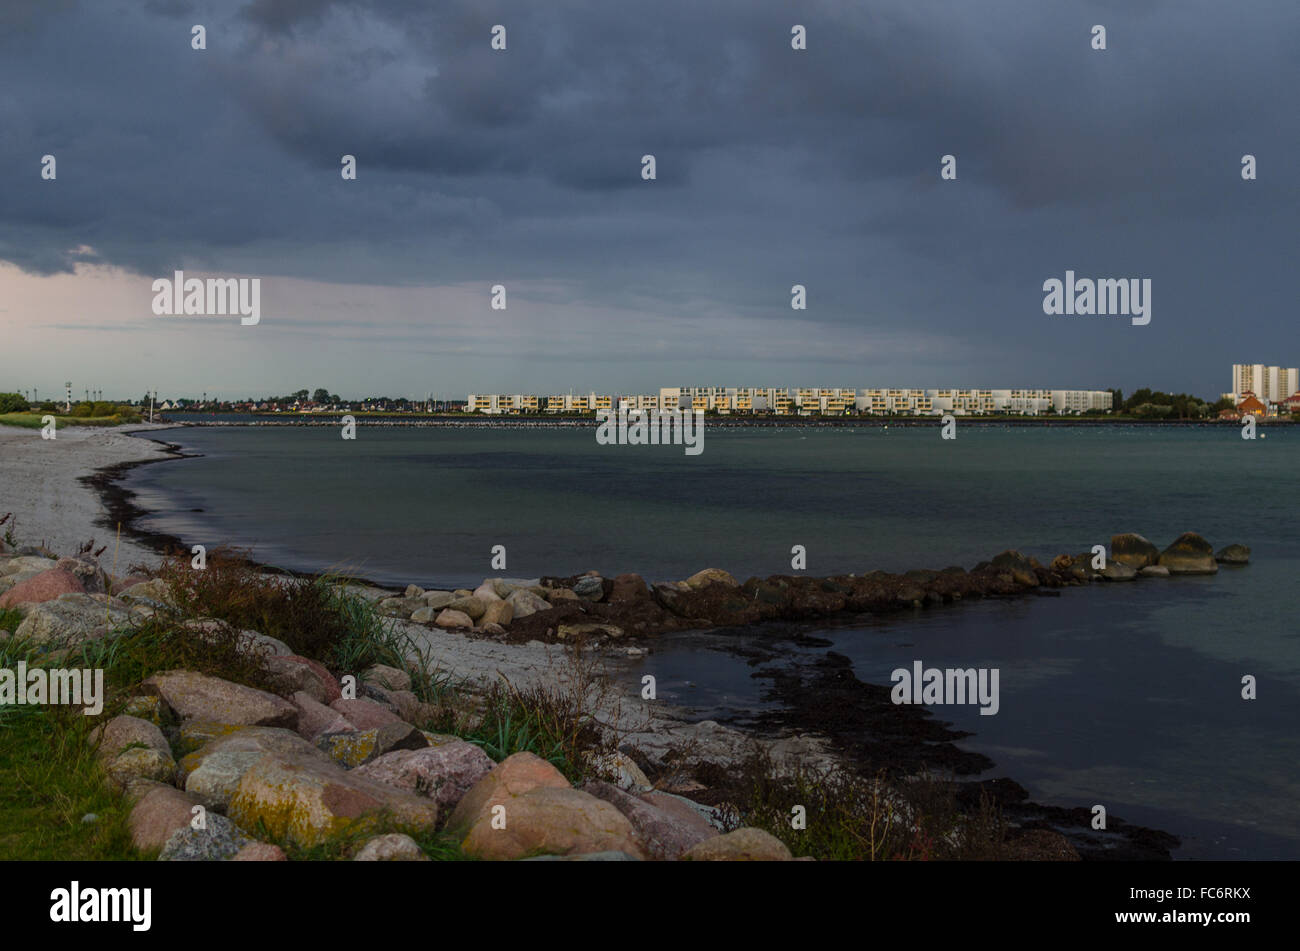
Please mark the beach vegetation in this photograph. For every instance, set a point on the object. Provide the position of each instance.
(851, 817)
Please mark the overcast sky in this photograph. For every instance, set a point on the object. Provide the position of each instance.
(523, 168)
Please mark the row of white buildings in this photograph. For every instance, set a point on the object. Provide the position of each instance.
(1270, 385)
(807, 401)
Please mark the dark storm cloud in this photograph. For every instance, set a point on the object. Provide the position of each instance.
(775, 167)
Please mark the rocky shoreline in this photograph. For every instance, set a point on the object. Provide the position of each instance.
(831, 712)
(591, 606)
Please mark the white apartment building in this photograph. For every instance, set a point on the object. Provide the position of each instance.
(1081, 401)
(1270, 384)
(826, 401)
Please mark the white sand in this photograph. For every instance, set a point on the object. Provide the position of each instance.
(38, 484)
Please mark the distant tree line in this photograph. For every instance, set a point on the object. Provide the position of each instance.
(1147, 403)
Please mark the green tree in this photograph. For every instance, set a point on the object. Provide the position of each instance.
(13, 403)
(321, 395)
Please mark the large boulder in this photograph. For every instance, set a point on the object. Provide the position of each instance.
(218, 840)
(437, 600)
(472, 607)
(365, 714)
(687, 811)
(26, 564)
(711, 576)
(194, 735)
(404, 703)
(1133, 550)
(301, 799)
(393, 847)
(443, 771)
(1017, 565)
(453, 619)
(200, 697)
(130, 748)
(487, 592)
(314, 718)
(293, 674)
(586, 631)
(511, 778)
(358, 747)
(498, 612)
(743, 845)
(217, 776)
(69, 620)
(141, 763)
(126, 731)
(212, 774)
(260, 852)
(590, 588)
(390, 678)
(1189, 554)
(250, 739)
(86, 570)
(551, 820)
(661, 835)
(523, 603)
(159, 811)
(1118, 571)
(629, 587)
(1233, 555)
(42, 587)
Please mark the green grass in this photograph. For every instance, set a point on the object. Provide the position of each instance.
(49, 779)
(10, 618)
(34, 420)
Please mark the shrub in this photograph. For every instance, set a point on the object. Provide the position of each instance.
(859, 818)
(13, 403)
(314, 617)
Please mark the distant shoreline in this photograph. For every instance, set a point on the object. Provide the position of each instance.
(451, 420)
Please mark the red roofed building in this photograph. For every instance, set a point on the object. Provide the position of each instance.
(1252, 406)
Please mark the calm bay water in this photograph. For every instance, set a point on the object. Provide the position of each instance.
(1127, 695)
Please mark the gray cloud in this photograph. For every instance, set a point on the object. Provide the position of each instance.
(775, 167)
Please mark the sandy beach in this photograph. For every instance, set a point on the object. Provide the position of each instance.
(40, 484)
